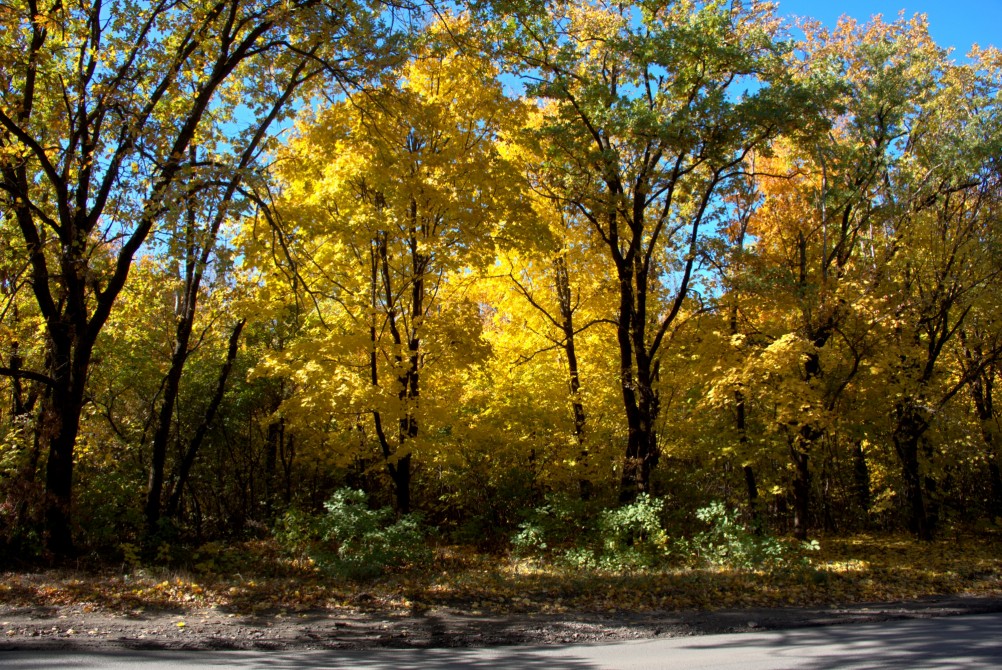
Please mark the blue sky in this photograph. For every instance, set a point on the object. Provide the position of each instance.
(952, 23)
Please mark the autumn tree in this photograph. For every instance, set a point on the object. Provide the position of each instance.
(134, 355)
(562, 290)
(389, 198)
(840, 212)
(103, 104)
(885, 75)
(797, 337)
(552, 364)
(654, 114)
(942, 262)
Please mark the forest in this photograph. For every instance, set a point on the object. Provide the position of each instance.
(618, 283)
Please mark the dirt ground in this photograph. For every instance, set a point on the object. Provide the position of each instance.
(71, 627)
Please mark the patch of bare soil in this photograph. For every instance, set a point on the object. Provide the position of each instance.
(72, 627)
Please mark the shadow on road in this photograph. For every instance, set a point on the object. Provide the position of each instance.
(385, 659)
(957, 642)
(972, 641)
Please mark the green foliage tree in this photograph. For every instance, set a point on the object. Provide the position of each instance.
(103, 104)
(652, 116)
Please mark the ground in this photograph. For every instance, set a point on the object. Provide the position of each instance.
(251, 597)
(70, 627)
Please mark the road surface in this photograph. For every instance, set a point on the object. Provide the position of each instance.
(973, 641)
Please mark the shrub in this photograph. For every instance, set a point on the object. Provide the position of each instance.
(351, 541)
(633, 535)
(728, 542)
(629, 537)
(555, 525)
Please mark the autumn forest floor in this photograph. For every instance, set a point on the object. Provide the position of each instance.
(250, 597)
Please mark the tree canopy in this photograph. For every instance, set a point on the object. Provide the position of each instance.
(470, 261)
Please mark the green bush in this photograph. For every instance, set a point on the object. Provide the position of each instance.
(351, 541)
(623, 538)
(633, 535)
(728, 542)
(555, 525)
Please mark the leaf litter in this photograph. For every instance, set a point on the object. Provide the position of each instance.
(466, 598)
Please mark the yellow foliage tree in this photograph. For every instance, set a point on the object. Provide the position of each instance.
(389, 199)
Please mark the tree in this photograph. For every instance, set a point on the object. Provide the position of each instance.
(979, 361)
(939, 259)
(100, 108)
(827, 202)
(653, 117)
(561, 278)
(552, 365)
(382, 235)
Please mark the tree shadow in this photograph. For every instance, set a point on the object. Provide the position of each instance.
(389, 659)
(953, 642)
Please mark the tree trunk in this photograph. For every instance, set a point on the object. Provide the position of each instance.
(397, 455)
(861, 478)
(288, 457)
(995, 491)
(186, 307)
(70, 353)
(273, 442)
(402, 484)
(808, 434)
(62, 419)
(188, 459)
(751, 486)
(161, 436)
(906, 436)
(639, 398)
(801, 492)
(566, 304)
(740, 421)
(641, 450)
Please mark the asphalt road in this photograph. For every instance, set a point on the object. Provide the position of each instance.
(973, 641)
